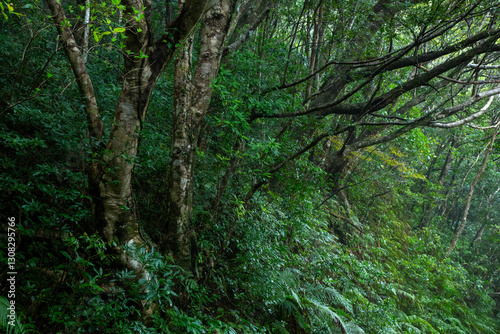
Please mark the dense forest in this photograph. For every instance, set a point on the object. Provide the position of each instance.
(250, 166)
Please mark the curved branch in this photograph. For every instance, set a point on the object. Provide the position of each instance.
(277, 167)
(483, 67)
(243, 38)
(77, 61)
(383, 100)
(427, 121)
(464, 120)
(453, 110)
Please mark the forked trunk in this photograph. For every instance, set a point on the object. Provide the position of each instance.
(191, 101)
(111, 169)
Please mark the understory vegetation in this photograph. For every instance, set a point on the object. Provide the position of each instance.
(343, 175)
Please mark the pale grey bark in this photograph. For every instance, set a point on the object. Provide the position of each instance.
(86, 31)
(77, 61)
(251, 13)
(251, 29)
(467, 119)
(483, 67)
(318, 25)
(110, 173)
(429, 120)
(453, 110)
(191, 102)
(479, 235)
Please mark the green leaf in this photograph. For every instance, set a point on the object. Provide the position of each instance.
(66, 255)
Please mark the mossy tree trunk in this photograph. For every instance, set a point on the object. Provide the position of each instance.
(111, 169)
(193, 92)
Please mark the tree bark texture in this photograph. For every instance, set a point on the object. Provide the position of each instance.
(191, 102)
(316, 41)
(110, 172)
(478, 236)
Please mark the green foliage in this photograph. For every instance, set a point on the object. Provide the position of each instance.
(307, 253)
(11, 325)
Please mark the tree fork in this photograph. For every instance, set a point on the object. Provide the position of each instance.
(192, 97)
(110, 173)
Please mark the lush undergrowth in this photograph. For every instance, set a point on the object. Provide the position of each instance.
(292, 262)
(327, 242)
(277, 267)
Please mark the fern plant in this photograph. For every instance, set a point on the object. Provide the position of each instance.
(5, 324)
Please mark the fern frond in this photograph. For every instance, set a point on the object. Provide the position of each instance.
(481, 327)
(295, 298)
(422, 324)
(337, 299)
(18, 328)
(401, 294)
(288, 306)
(330, 317)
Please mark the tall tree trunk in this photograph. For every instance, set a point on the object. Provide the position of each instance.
(110, 172)
(192, 99)
(86, 31)
(180, 180)
(318, 18)
(471, 192)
